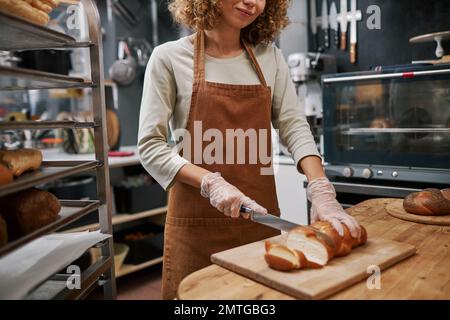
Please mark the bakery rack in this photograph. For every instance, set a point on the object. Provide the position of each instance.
(18, 34)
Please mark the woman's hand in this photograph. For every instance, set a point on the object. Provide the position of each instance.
(225, 197)
(325, 207)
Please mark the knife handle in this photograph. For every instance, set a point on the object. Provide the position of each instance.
(343, 40)
(327, 38)
(353, 53)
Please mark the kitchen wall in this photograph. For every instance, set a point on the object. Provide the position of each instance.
(400, 20)
(116, 29)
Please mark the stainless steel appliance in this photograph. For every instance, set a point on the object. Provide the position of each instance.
(306, 70)
(387, 132)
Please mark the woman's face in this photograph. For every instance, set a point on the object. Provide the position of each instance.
(241, 13)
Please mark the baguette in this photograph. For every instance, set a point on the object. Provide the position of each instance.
(19, 161)
(429, 202)
(6, 175)
(52, 3)
(24, 10)
(40, 5)
(28, 210)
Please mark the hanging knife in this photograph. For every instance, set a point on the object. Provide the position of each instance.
(334, 24)
(356, 16)
(313, 24)
(281, 224)
(325, 25)
(343, 23)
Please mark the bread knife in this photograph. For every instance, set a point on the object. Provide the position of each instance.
(353, 32)
(281, 224)
(342, 18)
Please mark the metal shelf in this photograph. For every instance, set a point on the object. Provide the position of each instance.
(129, 268)
(26, 79)
(56, 287)
(19, 34)
(49, 171)
(71, 210)
(122, 218)
(357, 131)
(38, 125)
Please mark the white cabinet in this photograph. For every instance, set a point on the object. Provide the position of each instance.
(291, 192)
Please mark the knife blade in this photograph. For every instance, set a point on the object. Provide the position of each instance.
(343, 24)
(313, 17)
(325, 26)
(334, 24)
(353, 30)
(282, 225)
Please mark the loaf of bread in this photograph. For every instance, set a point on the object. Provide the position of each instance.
(28, 210)
(6, 175)
(23, 9)
(3, 232)
(381, 123)
(19, 161)
(446, 193)
(429, 202)
(40, 5)
(52, 3)
(305, 249)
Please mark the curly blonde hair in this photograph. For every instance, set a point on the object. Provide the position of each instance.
(203, 14)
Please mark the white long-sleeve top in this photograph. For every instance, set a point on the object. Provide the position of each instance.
(167, 94)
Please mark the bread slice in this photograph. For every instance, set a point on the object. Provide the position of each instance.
(316, 250)
(282, 258)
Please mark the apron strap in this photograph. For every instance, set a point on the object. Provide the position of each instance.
(199, 59)
(255, 63)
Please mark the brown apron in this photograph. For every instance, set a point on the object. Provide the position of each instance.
(194, 229)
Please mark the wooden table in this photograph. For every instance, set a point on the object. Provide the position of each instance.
(423, 276)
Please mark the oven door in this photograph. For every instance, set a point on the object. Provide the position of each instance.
(388, 119)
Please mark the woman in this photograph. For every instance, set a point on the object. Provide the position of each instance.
(227, 76)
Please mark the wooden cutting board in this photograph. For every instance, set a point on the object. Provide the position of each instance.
(395, 209)
(340, 273)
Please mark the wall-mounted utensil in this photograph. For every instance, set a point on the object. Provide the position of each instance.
(324, 23)
(342, 18)
(123, 71)
(356, 16)
(334, 24)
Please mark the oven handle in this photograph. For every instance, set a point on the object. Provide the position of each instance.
(403, 75)
(375, 190)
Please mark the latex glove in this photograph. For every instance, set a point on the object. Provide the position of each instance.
(225, 197)
(325, 207)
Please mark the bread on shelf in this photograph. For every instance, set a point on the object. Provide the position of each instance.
(28, 210)
(24, 10)
(6, 175)
(429, 202)
(304, 249)
(22, 160)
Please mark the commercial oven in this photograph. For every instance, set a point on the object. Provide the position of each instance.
(387, 132)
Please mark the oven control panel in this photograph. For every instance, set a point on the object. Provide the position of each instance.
(387, 173)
